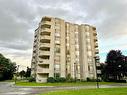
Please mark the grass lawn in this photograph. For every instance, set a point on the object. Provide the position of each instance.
(59, 84)
(101, 91)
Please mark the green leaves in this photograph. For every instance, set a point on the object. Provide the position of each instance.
(115, 66)
(7, 68)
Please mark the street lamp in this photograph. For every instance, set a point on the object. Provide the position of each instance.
(96, 59)
(75, 71)
(17, 68)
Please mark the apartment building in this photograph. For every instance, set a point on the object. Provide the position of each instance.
(62, 48)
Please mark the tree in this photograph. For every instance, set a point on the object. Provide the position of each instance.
(7, 68)
(28, 72)
(22, 73)
(114, 68)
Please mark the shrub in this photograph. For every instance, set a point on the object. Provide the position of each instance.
(91, 80)
(71, 80)
(31, 79)
(62, 79)
(51, 80)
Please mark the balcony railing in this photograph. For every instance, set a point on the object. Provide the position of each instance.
(96, 51)
(97, 64)
(96, 45)
(43, 61)
(42, 70)
(46, 22)
(45, 45)
(44, 53)
(45, 37)
(94, 33)
(98, 71)
(95, 38)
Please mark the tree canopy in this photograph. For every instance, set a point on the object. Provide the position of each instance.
(7, 68)
(115, 67)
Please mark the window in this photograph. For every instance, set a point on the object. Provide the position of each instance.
(57, 38)
(88, 40)
(57, 66)
(76, 46)
(87, 28)
(87, 34)
(89, 59)
(57, 50)
(57, 34)
(77, 52)
(68, 52)
(57, 42)
(89, 53)
(89, 47)
(67, 44)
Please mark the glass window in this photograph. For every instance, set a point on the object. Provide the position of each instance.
(87, 34)
(77, 52)
(57, 34)
(89, 47)
(87, 28)
(57, 50)
(89, 53)
(88, 39)
(57, 42)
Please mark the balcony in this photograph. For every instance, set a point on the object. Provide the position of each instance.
(98, 64)
(45, 40)
(96, 45)
(45, 45)
(43, 62)
(97, 57)
(46, 19)
(48, 32)
(34, 49)
(42, 70)
(43, 26)
(96, 51)
(44, 53)
(95, 38)
(98, 71)
(46, 22)
(46, 29)
(34, 54)
(94, 33)
(45, 37)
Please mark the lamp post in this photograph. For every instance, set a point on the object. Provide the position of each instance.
(75, 71)
(96, 72)
(17, 68)
(119, 75)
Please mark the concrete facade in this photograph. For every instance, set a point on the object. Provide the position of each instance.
(61, 49)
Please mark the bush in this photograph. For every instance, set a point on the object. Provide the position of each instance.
(31, 79)
(71, 80)
(91, 80)
(51, 80)
(62, 79)
(57, 79)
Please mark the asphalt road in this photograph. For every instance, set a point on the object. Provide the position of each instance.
(8, 88)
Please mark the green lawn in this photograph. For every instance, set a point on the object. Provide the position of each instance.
(59, 84)
(101, 91)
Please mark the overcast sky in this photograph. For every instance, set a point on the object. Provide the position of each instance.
(19, 19)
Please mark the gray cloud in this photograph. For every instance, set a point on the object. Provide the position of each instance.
(19, 19)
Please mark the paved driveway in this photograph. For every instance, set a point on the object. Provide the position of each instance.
(7, 88)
